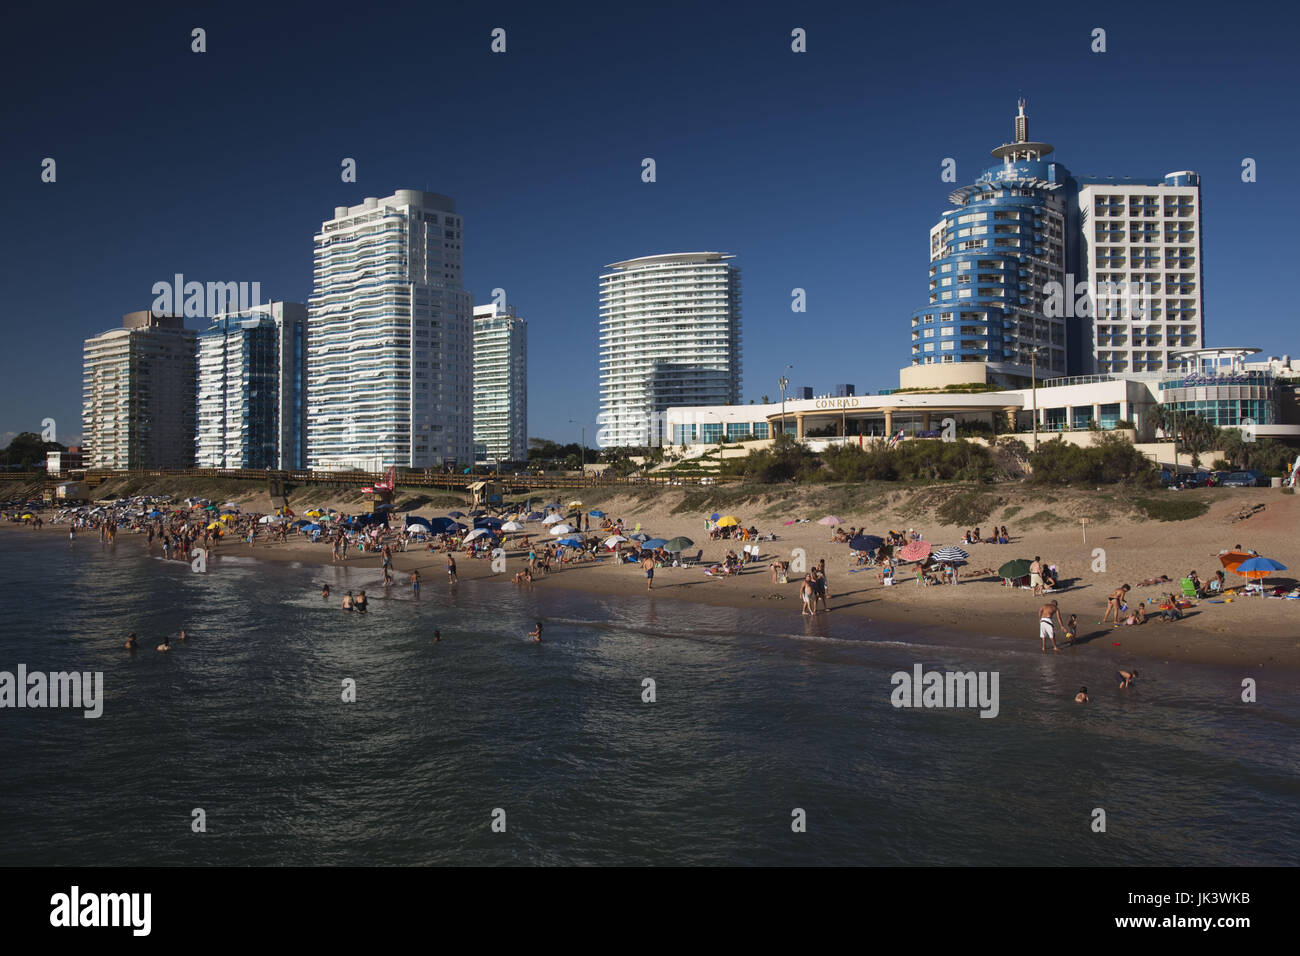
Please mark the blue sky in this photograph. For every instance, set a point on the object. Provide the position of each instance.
(818, 170)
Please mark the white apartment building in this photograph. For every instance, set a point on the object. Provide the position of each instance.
(251, 389)
(669, 335)
(390, 346)
(138, 394)
(500, 383)
(1140, 252)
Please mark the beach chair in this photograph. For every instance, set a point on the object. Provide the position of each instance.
(699, 556)
(1189, 589)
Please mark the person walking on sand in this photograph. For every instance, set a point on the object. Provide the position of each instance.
(1114, 602)
(648, 563)
(1046, 630)
(807, 594)
(1036, 576)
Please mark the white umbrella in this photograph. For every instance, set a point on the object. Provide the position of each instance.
(512, 526)
(476, 533)
(551, 519)
(562, 529)
(267, 519)
(614, 540)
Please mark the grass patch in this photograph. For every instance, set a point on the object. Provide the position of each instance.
(967, 508)
(1045, 519)
(1011, 512)
(1173, 508)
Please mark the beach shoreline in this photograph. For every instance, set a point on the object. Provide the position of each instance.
(1255, 632)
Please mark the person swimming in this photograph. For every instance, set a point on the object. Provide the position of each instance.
(360, 602)
(166, 645)
(347, 601)
(437, 635)
(183, 635)
(325, 590)
(131, 641)
(1082, 697)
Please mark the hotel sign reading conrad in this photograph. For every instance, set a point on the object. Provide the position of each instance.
(837, 403)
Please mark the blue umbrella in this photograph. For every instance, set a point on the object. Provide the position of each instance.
(596, 514)
(654, 543)
(455, 514)
(311, 527)
(715, 516)
(553, 504)
(1259, 567)
(866, 542)
(492, 524)
(639, 537)
(535, 516)
(571, 542)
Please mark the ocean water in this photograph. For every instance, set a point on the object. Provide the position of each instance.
(757, 714)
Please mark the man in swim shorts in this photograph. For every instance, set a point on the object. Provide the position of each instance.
(1046, 630)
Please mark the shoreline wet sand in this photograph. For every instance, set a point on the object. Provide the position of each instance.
(1257, 632)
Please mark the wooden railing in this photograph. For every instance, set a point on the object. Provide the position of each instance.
(509, 483)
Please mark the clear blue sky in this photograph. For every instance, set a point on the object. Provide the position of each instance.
(818, 170)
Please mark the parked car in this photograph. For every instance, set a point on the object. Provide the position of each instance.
(1244, 479)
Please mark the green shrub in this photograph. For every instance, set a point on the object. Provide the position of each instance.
(1173, 508)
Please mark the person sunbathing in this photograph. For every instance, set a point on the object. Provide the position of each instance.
(1152, 582)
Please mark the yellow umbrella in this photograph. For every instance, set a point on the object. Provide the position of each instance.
(314, 514)
(227, 518)
(28, 515)
(728, 521)
(575, 504)
(214, 525)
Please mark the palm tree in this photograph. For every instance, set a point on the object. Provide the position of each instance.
(1170, 421)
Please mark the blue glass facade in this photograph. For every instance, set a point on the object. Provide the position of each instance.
(990, 259)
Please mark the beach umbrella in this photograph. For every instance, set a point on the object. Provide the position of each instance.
(596, 513)
(311, 527)
(512, 526)
(266, 519)
(553, 504)
(916, 551)
(489, 523)
(728, 521)
(535, 516)
(1017, 568)
(476, 533)
(552, 519)
(155, 514)
(214, 525)
(715, 516)
(1258, 567)
(571, 542)
(562, 529)
(866, 542)
(951, 554)
(455, 514)
(831, 520)
(653, 543)
(614, 540)
(1231, 560)
(639, 536)
(574, 504)
(419, 526)
(678, 544)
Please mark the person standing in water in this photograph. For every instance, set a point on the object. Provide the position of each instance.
(361, 603)
(347, 601)
(536, 633)
(1046, 629)
(451, 570)
(415, 582)
(437, 635)
(1126, 679)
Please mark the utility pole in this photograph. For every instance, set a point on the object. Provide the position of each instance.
(783, 382)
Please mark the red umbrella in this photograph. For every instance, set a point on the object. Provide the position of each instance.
(916, 551)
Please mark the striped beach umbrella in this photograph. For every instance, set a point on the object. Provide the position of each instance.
(951, 553)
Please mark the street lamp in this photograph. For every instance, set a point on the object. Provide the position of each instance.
(783, 382)
(1033, 382)
(582, 448)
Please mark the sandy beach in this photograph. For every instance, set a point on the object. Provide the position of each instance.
(1250, 631)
